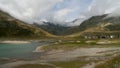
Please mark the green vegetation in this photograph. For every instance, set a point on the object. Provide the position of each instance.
(34, 66)
(68, 44)
(70, 64)
(114, 27)
(113, 63)
(61, 64)
(92, 22)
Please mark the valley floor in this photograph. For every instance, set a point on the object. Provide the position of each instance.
(73, 54)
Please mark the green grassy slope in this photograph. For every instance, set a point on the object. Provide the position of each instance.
(11, 27)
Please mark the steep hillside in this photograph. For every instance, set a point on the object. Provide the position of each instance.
(97, 24)
(11, 27)
(101, 23)
(55, 29)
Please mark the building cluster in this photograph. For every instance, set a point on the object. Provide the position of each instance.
(101, 35)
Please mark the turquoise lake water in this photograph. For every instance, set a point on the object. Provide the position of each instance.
(21, 51)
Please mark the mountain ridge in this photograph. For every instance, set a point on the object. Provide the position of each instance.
(12, 27)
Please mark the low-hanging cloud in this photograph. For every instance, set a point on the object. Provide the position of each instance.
(100, 7)
(56, 11)
(59, 11)
(27, 10)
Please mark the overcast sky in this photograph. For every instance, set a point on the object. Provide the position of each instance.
(59, 11)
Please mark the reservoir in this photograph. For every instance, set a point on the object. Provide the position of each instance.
(20, 51)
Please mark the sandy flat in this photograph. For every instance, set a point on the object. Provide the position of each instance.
(15, 42)
(61, 55)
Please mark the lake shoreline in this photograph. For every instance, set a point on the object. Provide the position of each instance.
(15, 42)
(59, 53)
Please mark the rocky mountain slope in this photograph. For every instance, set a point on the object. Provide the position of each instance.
(101, 23)
(11, 27)
(97, 24)
(55, 29)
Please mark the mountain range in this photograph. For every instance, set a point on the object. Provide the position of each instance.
(12, 27)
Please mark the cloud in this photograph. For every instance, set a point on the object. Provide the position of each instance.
(55, 11)
(100, 7)
(27, 10)
(62, 14)
(59, 11)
